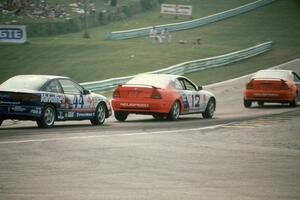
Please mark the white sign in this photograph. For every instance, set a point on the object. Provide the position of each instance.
(176, 9)
(13, 33)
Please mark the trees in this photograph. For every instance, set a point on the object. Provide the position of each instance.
(86, 28)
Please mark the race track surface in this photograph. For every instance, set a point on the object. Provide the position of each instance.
(240, 154)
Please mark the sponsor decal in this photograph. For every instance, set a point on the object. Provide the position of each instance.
(36, 111)
(52, 98)
(135, 105)
(24, 97)
(265, 95)
(69, 114)
(96, 100)
(10, 102)
(85, 114)
(18, 109)
(185, 101)
(60, 115)
(90, 101)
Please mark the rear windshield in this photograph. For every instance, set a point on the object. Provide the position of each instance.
(278, 74)
(24, 82)
(151, 80)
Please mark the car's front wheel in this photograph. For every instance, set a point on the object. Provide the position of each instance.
(100, 114)
(210, 109)
(247, 103)
(121, 116)
(47, 118)
(174, 112)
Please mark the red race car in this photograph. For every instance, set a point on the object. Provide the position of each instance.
(276, 86)
(162, 96)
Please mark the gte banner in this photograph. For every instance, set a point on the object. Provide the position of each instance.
(13, 33)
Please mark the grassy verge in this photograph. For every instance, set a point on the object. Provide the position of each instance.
(97, 59)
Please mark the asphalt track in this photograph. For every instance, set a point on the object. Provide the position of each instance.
(240, 154)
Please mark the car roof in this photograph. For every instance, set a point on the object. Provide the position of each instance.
(50, 77)
(171, 76)
(276, 70)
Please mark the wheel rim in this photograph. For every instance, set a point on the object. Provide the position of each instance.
(211, 108)
(101, 113)
(49, 116)
(176, 110)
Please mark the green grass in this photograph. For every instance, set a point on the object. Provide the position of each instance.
(97, 59)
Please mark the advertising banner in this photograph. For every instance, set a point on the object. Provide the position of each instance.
(176, 9)
(13, 33)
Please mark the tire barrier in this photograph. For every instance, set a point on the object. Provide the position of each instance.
(186, 67)
(120, 35)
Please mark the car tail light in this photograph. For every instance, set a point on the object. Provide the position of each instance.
(249, 85)
(155, 94)
(116, 93)
(284, 86)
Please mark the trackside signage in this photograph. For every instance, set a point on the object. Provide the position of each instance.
(176, 9)
(13, 33)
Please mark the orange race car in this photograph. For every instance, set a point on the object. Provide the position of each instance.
(162, 96)
(275, 86)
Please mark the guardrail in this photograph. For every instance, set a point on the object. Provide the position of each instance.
(119, 35)
(186, 67)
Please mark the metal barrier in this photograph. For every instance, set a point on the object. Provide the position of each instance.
(119, 35)
(186, 67)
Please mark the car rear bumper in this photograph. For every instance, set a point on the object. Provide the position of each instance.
(20, 112)
(269, 96)
(131, 106)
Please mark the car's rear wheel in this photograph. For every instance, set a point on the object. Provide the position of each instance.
(158, 116)
(47, 118)
(100, 114)
(210, 109)
(261, 103)
(293, 103)
(174, 112)
(121, 116)
(247, 103)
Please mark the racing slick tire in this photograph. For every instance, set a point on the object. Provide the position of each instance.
(47, 118)
(247, 103)
(260, 103)
(210, 109)
(293, 103)
(158, 116)
(100, 114)
(174, 112)
(121, 116)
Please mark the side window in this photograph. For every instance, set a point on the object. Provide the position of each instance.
(70, 87)
(189, 85)
(296, 77)
(53, 86)
(178, 85)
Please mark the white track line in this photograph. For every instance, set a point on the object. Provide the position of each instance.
(114, 135)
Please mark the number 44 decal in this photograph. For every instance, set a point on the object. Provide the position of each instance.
(78, 101)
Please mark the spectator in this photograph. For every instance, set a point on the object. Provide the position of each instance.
(165, 35)
(154, 36)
